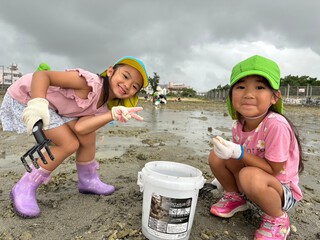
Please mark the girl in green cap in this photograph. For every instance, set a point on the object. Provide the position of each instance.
(264, 159)
(72, 105)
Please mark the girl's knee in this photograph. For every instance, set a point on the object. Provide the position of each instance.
(249, 177)
(87, 140)
(214, 161)
(248, 172)
(71, 146)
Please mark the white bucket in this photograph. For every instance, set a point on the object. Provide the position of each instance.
(170, 194)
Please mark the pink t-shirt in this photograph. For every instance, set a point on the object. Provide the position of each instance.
(64, 100)
(274, 140)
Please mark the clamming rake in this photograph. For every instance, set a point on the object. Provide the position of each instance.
(42, 143)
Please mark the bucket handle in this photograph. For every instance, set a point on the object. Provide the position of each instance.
(140, 181)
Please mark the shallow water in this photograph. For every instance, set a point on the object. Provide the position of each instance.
(194, 128)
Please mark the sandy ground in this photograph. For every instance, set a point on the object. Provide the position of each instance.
(177, 132)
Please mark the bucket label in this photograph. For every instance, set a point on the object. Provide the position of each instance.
(169, 215)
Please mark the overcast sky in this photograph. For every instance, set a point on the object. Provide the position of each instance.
(195, 42)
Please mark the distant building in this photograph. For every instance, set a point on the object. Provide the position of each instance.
(167, 88)
(176, 87)
(162, 89)
(9, 75)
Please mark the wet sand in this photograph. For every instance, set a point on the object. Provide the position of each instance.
(178, 132)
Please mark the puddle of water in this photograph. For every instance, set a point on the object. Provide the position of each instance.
(192, 126)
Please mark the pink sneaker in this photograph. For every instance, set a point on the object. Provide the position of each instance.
(273, 228)
(230, 204)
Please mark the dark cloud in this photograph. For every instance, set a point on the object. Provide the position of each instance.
(94, 34)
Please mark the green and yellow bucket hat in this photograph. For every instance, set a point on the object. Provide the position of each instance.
(137, 64)
(256, 65)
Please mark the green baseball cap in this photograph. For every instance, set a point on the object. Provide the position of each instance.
(256, 65)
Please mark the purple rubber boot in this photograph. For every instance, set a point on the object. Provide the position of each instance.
(23, 194)
(89, 182)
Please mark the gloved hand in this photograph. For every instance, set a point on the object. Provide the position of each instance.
(124, 114)
(37, 109)
(225, 149)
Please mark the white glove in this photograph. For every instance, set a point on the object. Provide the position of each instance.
(124, 114)
(225, 149)
(37, 109)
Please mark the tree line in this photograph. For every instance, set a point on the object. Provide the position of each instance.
(285, 81)
(291, 81)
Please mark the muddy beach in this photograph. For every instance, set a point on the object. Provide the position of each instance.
(178, 132)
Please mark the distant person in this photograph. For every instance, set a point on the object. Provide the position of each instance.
(163, 99)
(73, 105)
(155, 97)
(43, 67)
(264, 159)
